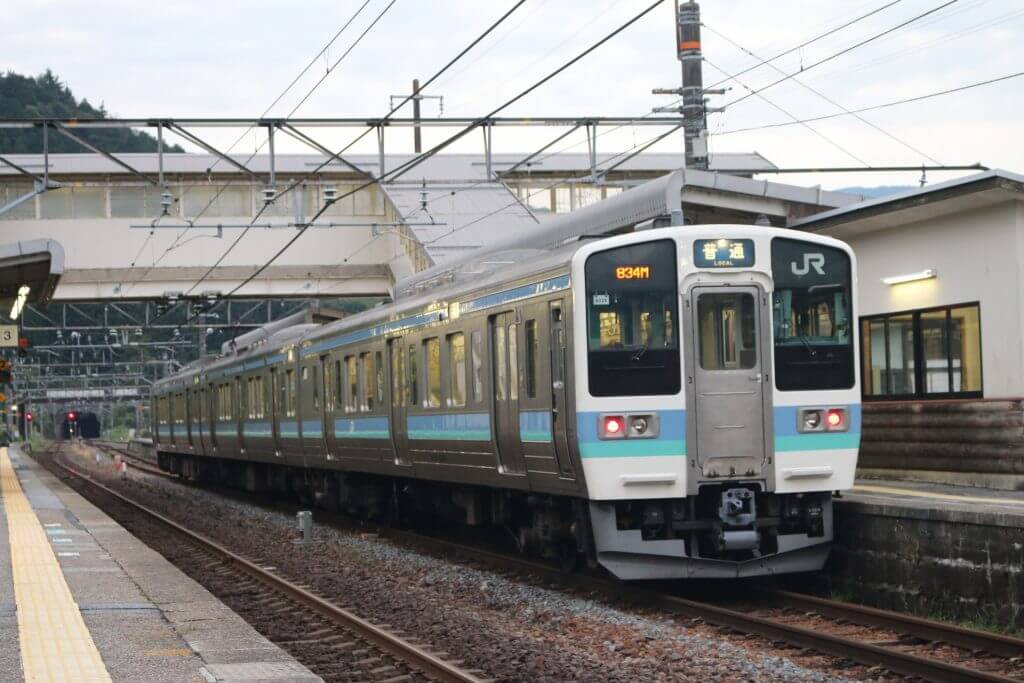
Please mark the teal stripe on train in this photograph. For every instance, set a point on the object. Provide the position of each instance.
(362, 428)
(455, 427)
(535, 426)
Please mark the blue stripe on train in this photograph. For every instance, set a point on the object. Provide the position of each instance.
(535, 426)
(362, 428)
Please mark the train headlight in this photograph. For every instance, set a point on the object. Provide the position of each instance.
(810, 421)
(639, 425)
(612, 427)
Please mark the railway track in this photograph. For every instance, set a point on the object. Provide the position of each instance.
(900, 643)
(341, 645)
(903, 644)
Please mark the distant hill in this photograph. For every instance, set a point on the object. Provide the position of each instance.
(45, 95)
(879, 191)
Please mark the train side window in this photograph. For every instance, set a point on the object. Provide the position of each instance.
(532, 347)
(477, 353)
(397, 380)
(352, 397)
(290, 393)
(513, 362)
(328, 397)
(457, 368)
(369, 381)
(316, 388)
(413, 376)
(339, 395)
(379, 380)
(432, 350)
(500, 367)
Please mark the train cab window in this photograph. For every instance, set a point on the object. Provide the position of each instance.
(412, 376)
(811, 309)
(457, 369)
(476, 344)
(532, 344)
(632, 304)
(369, 381)
(352, 375)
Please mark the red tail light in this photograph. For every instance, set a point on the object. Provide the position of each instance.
(613, 427)
(835, 418)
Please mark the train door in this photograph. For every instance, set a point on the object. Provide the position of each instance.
(559, 409)
(240, 413)
(505, 364)
(399, 402)
(327, 405)
(728, 380)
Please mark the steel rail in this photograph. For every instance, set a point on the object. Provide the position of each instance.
(927, 629)
(864, 653)
(415, 657)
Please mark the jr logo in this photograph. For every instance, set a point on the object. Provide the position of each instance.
(815, 261)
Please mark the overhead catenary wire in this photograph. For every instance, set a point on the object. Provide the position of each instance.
(294, 184)
(788, 113)
(819, 94)
(320, 167)
(177, 240)
(409, 165)
(840, 53)
(876, 107)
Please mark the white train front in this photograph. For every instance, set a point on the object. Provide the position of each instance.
(668, 403)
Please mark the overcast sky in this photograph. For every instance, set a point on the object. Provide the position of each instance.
(217, 58)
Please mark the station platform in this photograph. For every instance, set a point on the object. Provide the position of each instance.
(81, 599)
(932, 549)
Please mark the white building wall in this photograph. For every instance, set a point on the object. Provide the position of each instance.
(977, 255)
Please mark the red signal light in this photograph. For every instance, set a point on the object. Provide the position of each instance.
(28, 416)
(614, 426)
(72, 416)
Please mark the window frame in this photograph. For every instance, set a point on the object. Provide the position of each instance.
(920, 393)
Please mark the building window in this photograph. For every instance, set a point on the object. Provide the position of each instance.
(926, 353)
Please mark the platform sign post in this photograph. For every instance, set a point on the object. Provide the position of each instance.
(8, 336)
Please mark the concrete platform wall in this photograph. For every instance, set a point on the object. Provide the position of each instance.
(966, 443)
(931, 561)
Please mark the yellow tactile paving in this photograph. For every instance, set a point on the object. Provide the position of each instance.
(55, 643)
(936, 495)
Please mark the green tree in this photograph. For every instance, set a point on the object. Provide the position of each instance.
(45, 96)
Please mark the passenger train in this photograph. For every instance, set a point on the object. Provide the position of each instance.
(677, 402)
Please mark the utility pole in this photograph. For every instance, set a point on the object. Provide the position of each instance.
(416, 99)
(693, 106)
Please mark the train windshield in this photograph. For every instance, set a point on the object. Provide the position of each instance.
(632, 320)
(812, 316)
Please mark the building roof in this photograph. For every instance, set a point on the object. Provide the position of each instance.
(951, 196)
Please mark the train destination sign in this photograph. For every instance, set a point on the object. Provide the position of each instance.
(633, 273)
(723, 253)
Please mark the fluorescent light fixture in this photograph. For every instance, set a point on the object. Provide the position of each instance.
(19, 303)
(925, 274)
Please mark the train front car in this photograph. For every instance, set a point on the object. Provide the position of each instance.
(717, 398)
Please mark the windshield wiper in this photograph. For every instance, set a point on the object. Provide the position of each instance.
(639, 354)
(807, 345)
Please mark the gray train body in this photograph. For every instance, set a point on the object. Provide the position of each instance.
(473, 402)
